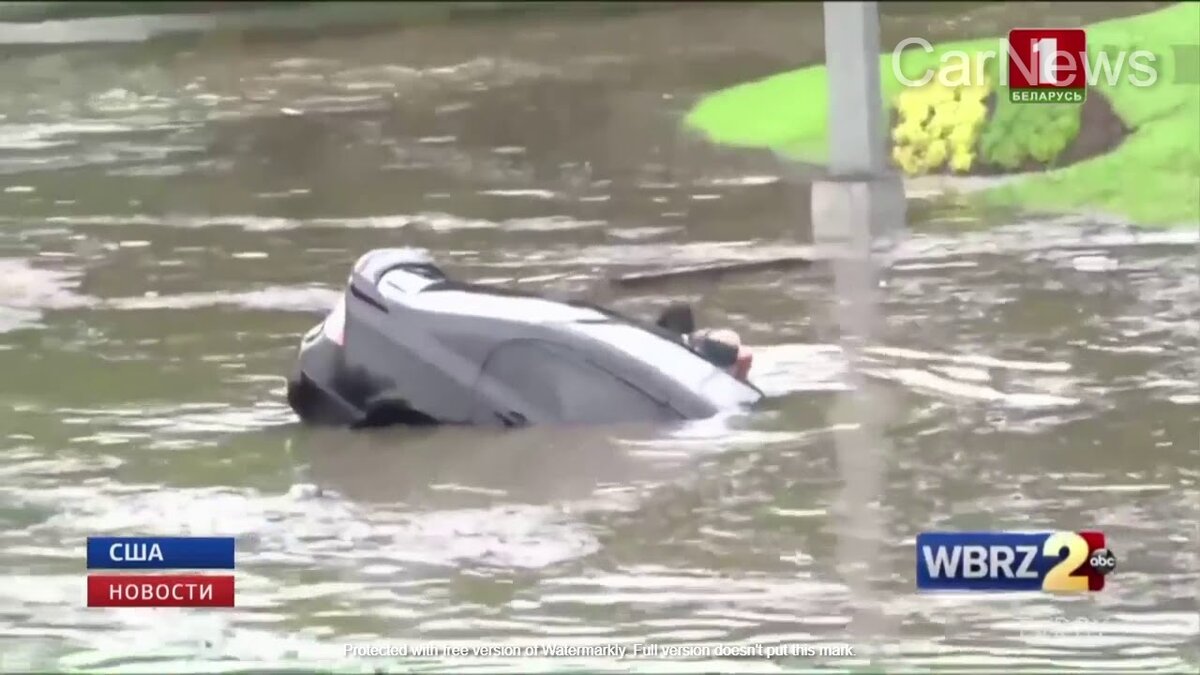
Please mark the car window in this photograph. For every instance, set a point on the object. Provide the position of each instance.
(562, 385)
(676, 361)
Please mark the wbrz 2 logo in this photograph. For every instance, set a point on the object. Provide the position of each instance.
(1061, 562)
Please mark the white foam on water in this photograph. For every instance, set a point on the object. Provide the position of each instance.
(279, 298)
(739, 181)
(924, 381)
(26, 287)
(539, 194)
(969, 360)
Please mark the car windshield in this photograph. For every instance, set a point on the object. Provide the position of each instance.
(410, 290)
(407, 281)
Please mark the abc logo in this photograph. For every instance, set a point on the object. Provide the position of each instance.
(1103, 561)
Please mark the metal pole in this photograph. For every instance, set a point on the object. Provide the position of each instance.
(856, 125)
(860, 186)
(857, 202)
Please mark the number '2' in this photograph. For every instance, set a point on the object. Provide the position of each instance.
(1061, 577)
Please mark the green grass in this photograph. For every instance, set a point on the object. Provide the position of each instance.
(1153, 178)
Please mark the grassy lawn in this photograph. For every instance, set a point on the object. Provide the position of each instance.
(1153, 178)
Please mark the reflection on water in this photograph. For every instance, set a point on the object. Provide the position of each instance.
(176, 212)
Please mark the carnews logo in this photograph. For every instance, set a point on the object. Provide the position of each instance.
(1047, 65)
(1057, 562)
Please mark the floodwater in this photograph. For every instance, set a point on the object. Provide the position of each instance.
(177, 207)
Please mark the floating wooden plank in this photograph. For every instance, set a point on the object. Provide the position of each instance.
(713, 270)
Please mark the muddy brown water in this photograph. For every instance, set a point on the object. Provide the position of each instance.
(174, 210)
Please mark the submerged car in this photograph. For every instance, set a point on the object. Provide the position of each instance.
(406, 345)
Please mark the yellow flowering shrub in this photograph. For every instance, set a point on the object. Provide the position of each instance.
(938, 126)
